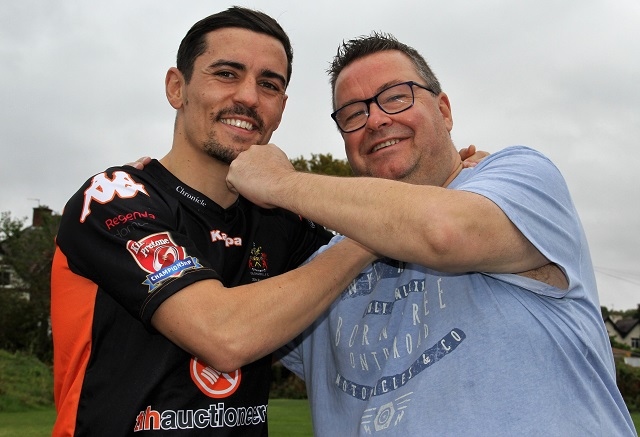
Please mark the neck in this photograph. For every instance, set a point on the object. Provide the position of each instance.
(203, 173)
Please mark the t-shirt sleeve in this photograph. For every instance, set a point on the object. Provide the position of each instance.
(290, 355)
(531, 191)
(121, 233)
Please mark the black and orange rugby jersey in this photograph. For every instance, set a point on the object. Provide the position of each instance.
(128, 240)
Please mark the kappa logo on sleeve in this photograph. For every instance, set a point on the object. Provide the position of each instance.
(158, 255)
(104, 189)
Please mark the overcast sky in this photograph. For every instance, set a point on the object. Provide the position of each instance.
(83, 89)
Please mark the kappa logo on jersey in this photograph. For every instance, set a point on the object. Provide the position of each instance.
(217, 235)
(104, 190)
(158, 255)
(213, 383)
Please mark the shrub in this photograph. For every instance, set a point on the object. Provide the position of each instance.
(285, 384)
(628, 380)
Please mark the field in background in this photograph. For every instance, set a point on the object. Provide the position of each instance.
(287, 418)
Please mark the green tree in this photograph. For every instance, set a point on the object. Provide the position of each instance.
(323, 164)
(25, 321)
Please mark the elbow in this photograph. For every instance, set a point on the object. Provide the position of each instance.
(218, 341)
(226, 354)
(225, 364)
(443, 249)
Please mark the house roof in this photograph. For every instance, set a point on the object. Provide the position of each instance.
(625, 326)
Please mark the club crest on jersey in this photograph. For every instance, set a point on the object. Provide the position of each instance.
(104, 189)
(258, 261)
(159, 256)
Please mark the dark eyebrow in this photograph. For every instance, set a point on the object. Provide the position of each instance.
(225, 63)
(269, 74)
(388, 85)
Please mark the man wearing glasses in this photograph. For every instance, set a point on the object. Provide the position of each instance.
(483, 319)
(391, 100)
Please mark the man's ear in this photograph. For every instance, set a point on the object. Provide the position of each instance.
(173, 85)
(445, 109)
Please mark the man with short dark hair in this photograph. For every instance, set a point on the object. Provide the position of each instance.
(166, 301)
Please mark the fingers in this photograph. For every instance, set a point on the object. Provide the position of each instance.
(471, 150)
(468, 164)
(471, 157)
(140, 162)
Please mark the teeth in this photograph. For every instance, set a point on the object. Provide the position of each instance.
(237, 123)
(385, 144)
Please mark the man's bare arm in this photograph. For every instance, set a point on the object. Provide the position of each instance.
(230, 327)
(448, 230)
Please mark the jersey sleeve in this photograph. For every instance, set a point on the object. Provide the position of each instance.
(531, 191)
(122, 233)
(306, 237)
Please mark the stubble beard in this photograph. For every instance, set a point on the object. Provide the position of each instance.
(219, 152)
(227, 153)
(431, 168)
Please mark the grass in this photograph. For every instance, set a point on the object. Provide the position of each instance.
(287, 418)
(33, 423)
(25, 383)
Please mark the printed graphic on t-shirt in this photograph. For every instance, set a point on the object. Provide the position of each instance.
(386, 415)
(390, 332)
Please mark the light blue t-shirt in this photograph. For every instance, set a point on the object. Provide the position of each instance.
(409, 351)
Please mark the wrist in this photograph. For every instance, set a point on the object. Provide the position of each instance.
(286, 191)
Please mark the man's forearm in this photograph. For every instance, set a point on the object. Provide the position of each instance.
(230, 327)
(444, 229)
(291, 302)
(447, 230)
(393, 218)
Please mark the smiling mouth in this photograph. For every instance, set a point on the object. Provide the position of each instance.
(238, 123)
(385, 144)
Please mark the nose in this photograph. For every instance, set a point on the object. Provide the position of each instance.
(377, 117)
(247, 93)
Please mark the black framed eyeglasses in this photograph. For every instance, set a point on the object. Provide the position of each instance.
(391, 100)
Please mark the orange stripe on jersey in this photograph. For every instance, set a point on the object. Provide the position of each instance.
(72, 305)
